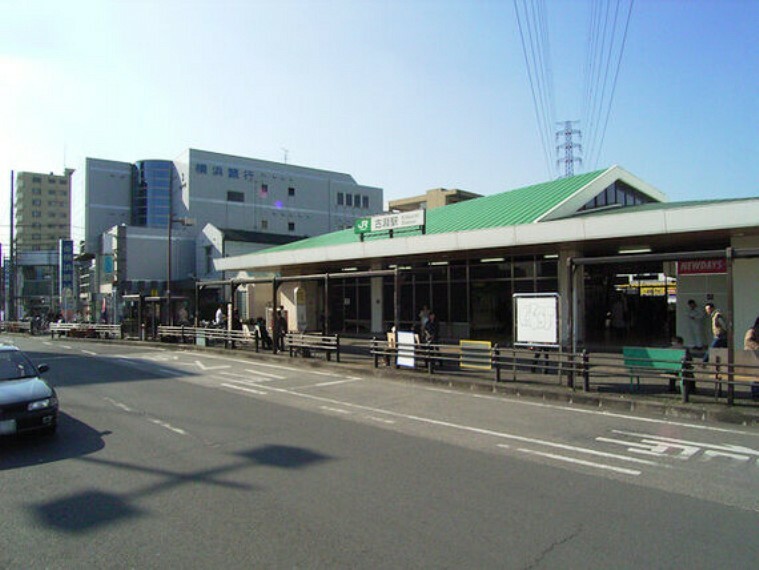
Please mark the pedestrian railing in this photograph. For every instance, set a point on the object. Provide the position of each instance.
(653, 369)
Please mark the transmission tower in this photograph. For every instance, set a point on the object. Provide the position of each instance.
(569, 147)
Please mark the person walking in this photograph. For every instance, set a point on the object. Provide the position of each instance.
(719, 329)
(694, 328)
(432, 336)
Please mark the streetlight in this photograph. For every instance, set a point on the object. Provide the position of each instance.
(172, 221)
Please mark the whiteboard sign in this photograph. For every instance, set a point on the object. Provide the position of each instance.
(536, 319)
(406, 343)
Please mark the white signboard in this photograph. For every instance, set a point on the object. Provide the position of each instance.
(397, 221)
(536, 319)
(406, 343)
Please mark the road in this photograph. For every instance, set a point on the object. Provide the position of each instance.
(168, 458)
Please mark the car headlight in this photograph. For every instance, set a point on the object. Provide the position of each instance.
(42, 404)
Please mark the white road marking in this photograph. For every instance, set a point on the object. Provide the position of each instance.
(67, 347)
(578, 410)
(727, 448)
(267, 374)
(205, 368)
(331, 383)
(582, 462)
(451, 425)
(89, 352)
(241, 389)
(118, 404)
(168, 426)
(336, 410)
(381, 420)
(584, 450)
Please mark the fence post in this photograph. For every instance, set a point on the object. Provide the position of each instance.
(374, 352)
(570, 369)
(337, 344)
(684, 384)
(496, 360)
(585, 371)
(430, 365)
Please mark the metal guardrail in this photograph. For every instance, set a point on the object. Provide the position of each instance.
(488, 363)
(502, 364)
(85, 330)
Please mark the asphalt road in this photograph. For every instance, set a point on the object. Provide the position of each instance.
(169, 459)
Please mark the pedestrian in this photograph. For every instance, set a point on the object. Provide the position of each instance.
(719, 329)
(219, 317)
(618, 318)
(263, 334)
(751, 340)
(282, 328)
(424, 316)
(432, 335)
(694, 329)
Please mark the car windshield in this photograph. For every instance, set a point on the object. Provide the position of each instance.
(14, 365)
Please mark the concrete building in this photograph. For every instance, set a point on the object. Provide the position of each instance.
(43, 210)
(435, 198)
(128, 211)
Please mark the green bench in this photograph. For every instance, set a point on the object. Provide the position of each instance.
(666, 362)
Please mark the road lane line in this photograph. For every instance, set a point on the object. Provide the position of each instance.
(336, 410)
(582, 462)
(167, 426)
(451, 425)
(241, 389)
(331, 383)
(89, 352)
(119, 405)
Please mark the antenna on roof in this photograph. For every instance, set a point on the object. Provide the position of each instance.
(285, 152)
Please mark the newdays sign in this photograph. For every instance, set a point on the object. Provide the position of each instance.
(701, 267)
(387, 222)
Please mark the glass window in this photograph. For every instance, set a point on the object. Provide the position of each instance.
(357, 200)
(264, 193)
(339, 198)
(235, 196)
(36, 179)
(201, 168)
(36, 190)
(36, 202)
(36, 214)
(365, 202)
(291, 226)
(349, 199)
(264, 224)
(291, 191)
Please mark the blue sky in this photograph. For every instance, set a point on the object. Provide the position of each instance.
(404, 95)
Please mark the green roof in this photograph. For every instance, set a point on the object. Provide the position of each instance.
(521, 206)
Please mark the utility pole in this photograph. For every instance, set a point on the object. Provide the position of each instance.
(11, 265)
(569, 147)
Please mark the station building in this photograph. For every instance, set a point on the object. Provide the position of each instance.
(623, 260)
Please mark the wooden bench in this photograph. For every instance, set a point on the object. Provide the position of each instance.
(306, 344)
(745, 370)
(666, 362)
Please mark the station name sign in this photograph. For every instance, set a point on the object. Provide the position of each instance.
(701, 266)
(389, 222)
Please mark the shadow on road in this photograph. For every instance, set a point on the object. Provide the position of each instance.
(90, 509)
(73, 439)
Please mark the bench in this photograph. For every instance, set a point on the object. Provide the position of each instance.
(306, 344)
(666, 362)
(745, 370)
